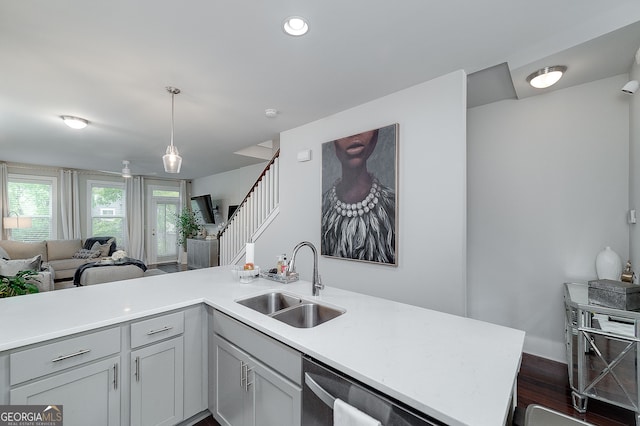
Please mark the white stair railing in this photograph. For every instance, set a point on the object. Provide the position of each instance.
(258, 209)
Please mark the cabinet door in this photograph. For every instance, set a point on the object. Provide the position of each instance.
(88, 394)
(231, 397)
(157, 380)
(276, 401)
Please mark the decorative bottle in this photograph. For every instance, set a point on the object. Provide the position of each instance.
(608, 265)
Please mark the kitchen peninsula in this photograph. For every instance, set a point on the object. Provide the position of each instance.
(457, 370)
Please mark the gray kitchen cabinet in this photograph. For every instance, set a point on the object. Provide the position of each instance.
(151, 371)
(81, 373)
(157, 384)
(256, 379)
(157, 370)
(88, 394)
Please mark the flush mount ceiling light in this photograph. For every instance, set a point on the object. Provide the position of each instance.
(547, 76)
(126, 171)
(270, 112)
(295, 26)
(74, 122)
(172, 160)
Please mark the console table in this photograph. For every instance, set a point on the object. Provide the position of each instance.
(202, 253)
(603, 352)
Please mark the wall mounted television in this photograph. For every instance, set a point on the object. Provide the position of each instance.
(204, 208)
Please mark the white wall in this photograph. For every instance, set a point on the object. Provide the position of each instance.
(634, 170)
(432, 197)
(547, 190)
(230, 187)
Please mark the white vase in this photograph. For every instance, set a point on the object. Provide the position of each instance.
(608, 265)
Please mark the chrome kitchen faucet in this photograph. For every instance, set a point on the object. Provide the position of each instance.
(316, 284)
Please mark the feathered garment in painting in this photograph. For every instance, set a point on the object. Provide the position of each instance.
(363, 230)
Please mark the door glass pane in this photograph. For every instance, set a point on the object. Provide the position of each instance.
(166, 235)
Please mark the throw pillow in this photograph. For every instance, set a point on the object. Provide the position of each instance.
(12, 267)
(103, 248)
(86, 254)
(4, 255)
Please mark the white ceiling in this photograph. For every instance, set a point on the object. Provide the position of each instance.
(109, 62)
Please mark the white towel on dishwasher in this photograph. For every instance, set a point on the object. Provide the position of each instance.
(348, 415)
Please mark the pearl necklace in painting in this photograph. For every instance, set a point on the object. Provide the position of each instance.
(356, 209)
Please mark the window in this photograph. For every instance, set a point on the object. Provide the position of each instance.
(107, 210)
(33, 197)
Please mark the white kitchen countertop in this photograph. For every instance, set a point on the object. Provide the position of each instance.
(458, 370)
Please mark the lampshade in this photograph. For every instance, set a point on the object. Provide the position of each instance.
(172, 160)
(16, 222)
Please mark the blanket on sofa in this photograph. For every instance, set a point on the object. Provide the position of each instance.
(126, 261)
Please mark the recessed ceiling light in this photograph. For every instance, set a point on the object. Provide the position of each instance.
(74, 122)
(295, 26)
(547, 76)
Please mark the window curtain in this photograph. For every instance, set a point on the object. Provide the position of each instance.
(182, 253)
(4, 198)
(70, 205)
(135, 219)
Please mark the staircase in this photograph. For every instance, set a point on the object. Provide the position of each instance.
(258, 209)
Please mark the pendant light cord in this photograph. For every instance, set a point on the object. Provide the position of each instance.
(174, 91)
(172, 102)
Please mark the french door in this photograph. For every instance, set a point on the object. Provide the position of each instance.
(162, 233)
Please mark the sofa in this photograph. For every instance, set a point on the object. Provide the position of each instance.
(61, 256)
(44, 279)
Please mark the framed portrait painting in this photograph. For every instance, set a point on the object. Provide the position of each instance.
(360, 198)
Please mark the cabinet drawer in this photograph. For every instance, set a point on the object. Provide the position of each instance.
(282, 358)
(57, 356)
(156, 329)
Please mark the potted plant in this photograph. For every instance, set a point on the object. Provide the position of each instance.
(187, 225)
(18, 285)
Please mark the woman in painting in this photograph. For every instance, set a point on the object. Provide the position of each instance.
(358, 212)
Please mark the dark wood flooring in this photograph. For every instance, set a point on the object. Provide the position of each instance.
(540, 381)
(171, 267)
(545, 382)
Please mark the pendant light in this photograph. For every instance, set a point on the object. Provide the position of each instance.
(126, 171)
(172, 160)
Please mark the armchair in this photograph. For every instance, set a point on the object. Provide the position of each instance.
(44, 279)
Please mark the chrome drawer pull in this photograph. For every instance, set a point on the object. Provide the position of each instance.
(160, 330)
(115, 376)
(137, 372)
(63, 357)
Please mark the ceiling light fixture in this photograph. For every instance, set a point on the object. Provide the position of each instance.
(270, 112)
(295, 26)
(74, 122)
(172, 160)
(126, 171)
(547, 76)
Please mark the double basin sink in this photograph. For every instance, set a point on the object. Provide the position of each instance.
(291, 309)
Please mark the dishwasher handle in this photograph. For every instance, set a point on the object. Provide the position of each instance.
(319, 391)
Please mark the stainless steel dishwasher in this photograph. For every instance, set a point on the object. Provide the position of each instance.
(322, 385)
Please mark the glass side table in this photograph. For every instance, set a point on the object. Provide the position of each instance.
(603, 346)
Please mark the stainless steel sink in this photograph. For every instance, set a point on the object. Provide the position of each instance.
(270, 302)
(291, 310)
(307, 315)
